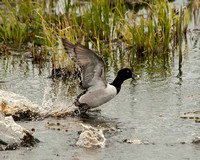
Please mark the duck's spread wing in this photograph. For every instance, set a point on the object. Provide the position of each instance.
(92, 66)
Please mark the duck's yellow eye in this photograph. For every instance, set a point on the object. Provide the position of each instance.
(127, 71)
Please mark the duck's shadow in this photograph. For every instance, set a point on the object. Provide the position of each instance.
(95, 119)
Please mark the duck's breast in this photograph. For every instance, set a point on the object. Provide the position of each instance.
(98, 97)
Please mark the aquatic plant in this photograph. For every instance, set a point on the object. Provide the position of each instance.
(18, 22)
(95, 22)
(98, 23)
(152, 33)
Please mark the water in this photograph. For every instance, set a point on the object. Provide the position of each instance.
(147, 109)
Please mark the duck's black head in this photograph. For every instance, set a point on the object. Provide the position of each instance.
(122, 75)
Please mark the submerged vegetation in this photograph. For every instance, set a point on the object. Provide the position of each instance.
(97, 23)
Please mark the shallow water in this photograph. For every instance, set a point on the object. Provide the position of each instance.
(148, 109)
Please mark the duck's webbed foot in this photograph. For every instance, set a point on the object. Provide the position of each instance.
(82, 108)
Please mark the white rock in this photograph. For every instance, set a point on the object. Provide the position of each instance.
(91, 137)
(11, 132)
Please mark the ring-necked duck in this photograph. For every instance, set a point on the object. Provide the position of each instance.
(93, 78)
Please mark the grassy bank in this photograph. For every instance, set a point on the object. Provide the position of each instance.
(98, 23)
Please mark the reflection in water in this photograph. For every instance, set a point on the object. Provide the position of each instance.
(97, 120)
(180, 73)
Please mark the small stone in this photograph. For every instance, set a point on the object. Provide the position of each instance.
(197, 120)
(135, 141)
(196, 140)
(51, 124)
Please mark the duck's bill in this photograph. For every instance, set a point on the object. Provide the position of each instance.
(135, 76)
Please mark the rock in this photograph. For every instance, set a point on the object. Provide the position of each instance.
(21, 108)
(13, 135)
(91, 137)
(135, 141)
(197, 120)
(196, 140)
(18, 106)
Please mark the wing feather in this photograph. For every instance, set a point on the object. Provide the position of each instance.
(92, 66)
